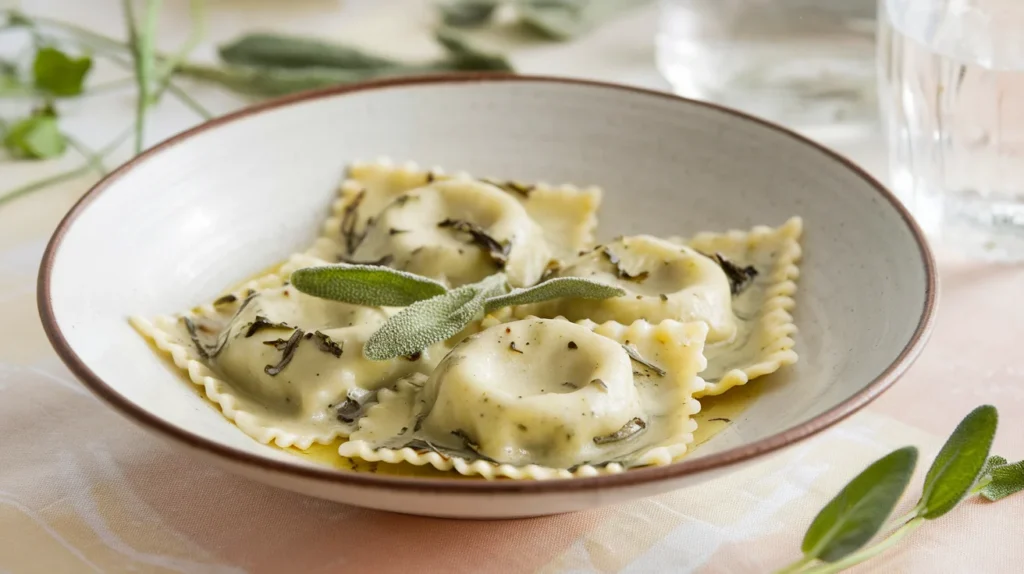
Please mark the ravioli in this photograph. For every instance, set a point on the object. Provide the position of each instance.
(544, 398)
(567, 215)
(765, 328)
(662, 280)
(280, 363)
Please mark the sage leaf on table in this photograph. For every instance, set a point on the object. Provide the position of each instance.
(860, 509)
(1005, 479)
(36, 137)
(959, 463)
(370, 285)
(563, 20)
(276, 50)
(432, 320)
(58, 74)
(558, 288)
(468, 13)
(464, 56)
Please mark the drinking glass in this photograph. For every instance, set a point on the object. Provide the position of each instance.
(808, 64)
(951, 89)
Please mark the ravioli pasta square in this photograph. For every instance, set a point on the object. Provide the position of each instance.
(397, 215)
(282, 365)
(544, 398)
(764, 342)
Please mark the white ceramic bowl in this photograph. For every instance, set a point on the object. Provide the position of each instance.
(222, 201)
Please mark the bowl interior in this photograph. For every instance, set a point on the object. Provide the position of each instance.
(217, 205)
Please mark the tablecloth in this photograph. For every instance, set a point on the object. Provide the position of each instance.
(83, 490)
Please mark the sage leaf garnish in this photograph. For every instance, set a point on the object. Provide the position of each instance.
(357, 401)
(349, 219)
(739, 277)
(190, 326)
(1004, 480)
(959, 463)
(498, 251)
(260, 323)
(637, 357)
(365, 285)
(431, 320)
(860, 509)
(559, 288)
(289, 351)
(628, 430)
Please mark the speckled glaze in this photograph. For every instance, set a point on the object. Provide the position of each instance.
(222, 201)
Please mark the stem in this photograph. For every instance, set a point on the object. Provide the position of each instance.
(796, 566)
(91, 157)
(870, 551)
(142, 50)
(198, 30)
(45, 182)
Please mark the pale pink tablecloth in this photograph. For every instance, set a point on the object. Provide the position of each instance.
(83, 490)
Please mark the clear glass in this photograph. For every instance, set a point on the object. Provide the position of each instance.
(808, 64)
(952, 96)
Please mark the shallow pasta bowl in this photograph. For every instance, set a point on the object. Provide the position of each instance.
(223, 201)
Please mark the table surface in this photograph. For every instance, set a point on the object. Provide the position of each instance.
(95, 493)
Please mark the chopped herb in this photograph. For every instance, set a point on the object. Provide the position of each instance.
(416, 251)
(431, 177)
(663, 297)
(191, 328)
(573, 346)
(414, 357)
(309, 336)
(289, 351)
(418, 424)
(600, 384)
(402, 430)
(619, 271)
(466, 440)
(326, 344)
(357, 400)
(511, 186)
(229, 298)
(628, 430)
(497, 250)
(512, 347)
(278, 344)
(382, 262)
(635, 355)
(739, 277)
(522, 427)
(722, 419)
(403, 199)
(394, 231)
(349, 219)
(261, 323)
(570, 385)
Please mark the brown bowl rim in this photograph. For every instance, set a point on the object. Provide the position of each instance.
(632, 478)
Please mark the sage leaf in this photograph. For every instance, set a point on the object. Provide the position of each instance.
(959, 463)
(365, 285)
(1007, 479)
(59, 74)
(558, 288)
(468, 13)
(992, 463)
(562, 20)
(860, 509)
(464, 56)
(432, 320)
(272, 82)
(36, 137)
(277, 50)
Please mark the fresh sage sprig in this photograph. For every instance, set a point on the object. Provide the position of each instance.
(557, 20)
(366, 285)
(432, 313)
(963, 468)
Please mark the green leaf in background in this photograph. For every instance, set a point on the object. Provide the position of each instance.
(559, 288)
(464, 56)
(36, 137)
(365, 285)
(1007, 479)
(860, 509)
(562, 20)
(424, 323)
(468, 13)
(281, 51)
(55, 72)
(959, 463)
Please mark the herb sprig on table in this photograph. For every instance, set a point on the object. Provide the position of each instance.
(962, 469)
(432, 313)
(61, 56)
